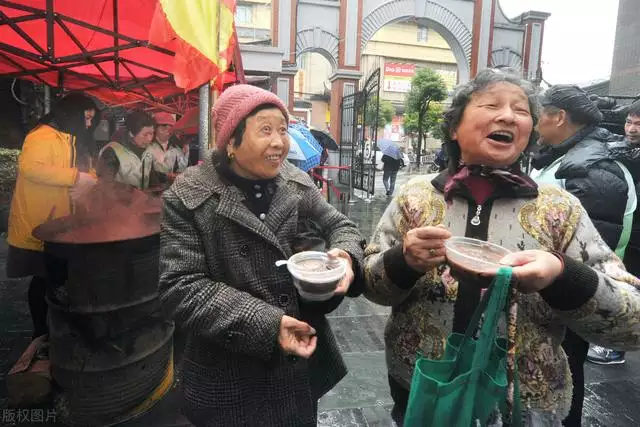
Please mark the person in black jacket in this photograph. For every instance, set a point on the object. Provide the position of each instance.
(627, 152)
(575, 155)
(390, 172)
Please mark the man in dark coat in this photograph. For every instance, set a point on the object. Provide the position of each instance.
(627, 152)
(575, 155)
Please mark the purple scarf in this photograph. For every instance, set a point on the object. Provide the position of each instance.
(511, 176)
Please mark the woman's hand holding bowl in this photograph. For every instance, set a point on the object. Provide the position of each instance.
(533, 270)
(423, 247)
(346, 281)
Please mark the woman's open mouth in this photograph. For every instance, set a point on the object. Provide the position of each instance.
(501, 136)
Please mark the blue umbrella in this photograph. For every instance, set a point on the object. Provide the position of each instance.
(302, 152)
(308, 135)
(390, 148)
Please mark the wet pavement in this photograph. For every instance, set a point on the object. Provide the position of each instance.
(362, 398)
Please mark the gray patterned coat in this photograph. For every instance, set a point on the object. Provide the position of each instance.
(219, 279)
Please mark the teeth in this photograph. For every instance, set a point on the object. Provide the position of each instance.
(274, 157)
(503, 135)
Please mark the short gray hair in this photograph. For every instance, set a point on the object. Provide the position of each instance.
(462, 95)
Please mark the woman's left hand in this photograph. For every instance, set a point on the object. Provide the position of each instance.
(346, 281)
(533, 270)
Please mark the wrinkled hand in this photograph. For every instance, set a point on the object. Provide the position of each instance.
(346, 281)
(296, 337)
(423, 247)
(83, 185)
(533, 270)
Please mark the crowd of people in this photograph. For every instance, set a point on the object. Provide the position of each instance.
(59, 164)
(253, 342)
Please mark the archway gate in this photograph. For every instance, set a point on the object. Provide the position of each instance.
(479, 33)
(359, 112)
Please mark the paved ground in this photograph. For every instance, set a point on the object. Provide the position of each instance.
(362, 398)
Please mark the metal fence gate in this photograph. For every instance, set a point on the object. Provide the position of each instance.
(358, 135)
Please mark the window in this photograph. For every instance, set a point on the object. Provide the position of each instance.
(244, 14)
(422, 34)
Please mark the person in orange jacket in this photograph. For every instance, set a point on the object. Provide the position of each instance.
(55, 168)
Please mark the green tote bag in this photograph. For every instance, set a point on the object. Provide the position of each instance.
(470, 381)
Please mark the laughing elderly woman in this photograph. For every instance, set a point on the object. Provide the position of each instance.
(256, 355)
(566, 274)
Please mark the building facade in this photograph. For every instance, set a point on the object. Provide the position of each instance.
(477, 32)
(400, 49)
(253, 21)
(625, 68)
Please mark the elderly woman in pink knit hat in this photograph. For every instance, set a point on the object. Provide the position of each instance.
(256, 353)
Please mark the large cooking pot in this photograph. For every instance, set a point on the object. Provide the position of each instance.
(102, 270)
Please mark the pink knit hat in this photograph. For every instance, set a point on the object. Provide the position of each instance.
(235, 104)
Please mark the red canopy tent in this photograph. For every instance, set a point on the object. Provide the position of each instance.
(97, 46)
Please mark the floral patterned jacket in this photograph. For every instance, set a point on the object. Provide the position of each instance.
(595, 296)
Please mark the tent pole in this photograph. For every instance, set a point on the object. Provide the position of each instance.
(47, 99)
(204, 105)
(214, 93)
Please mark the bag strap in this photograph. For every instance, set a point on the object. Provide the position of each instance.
(627, 222)
(477, 314)
(492, 304)
(495, 309)
(472, 326)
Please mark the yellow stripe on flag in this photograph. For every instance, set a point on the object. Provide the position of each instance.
(197, 22)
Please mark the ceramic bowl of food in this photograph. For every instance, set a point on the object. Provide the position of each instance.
(474, 256)
(315, 275)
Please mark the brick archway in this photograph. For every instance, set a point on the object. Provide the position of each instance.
(438, 17)
(318, 40)
(477, 32)
(506, 57)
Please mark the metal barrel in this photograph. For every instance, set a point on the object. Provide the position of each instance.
(102, 277)
(111, 345)
(103, 383)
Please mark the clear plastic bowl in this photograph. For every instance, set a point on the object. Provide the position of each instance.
(315, 285)
(474, 256)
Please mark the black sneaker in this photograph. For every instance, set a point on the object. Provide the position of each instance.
(605, 356)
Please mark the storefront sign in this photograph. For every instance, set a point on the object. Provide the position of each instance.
(397, 77)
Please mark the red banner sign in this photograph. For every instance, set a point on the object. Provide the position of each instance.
(394, 69)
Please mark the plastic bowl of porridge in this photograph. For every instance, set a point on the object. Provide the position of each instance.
(474, 256)
(314, 275)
